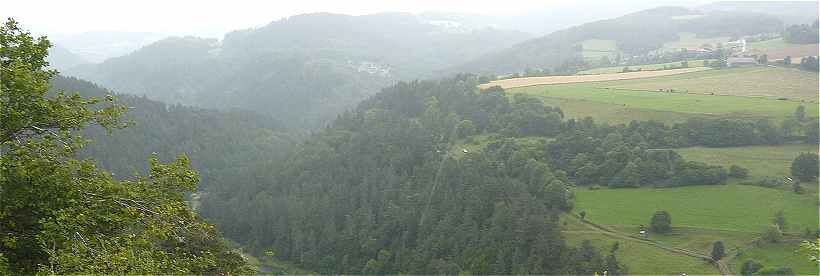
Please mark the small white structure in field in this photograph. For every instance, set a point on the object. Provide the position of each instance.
(465, 151)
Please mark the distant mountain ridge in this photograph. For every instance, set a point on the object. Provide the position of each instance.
(98, 46)
(634, 33)
(303, 70)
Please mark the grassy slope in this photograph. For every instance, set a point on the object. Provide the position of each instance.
(778, 49)
(749, 81)
(770, 44)
(642, 259)
(778, 255)
(603, 102)
(760, 160)
(617, 106)
(479, 143)
(594, 49)
(691, 41)
(725, 207)
(657, 66)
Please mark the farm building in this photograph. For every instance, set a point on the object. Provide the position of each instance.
(738, 45)
(740, 61)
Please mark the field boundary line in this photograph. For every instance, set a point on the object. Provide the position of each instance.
(720, 264)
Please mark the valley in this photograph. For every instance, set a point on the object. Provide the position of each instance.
(657, 140)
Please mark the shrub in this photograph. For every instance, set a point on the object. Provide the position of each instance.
(750, 267)
(738, 171)
(661, 222)
(777, 271)
(804, 167)
(773, 234)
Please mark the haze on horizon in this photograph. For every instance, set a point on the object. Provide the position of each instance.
(215, 18)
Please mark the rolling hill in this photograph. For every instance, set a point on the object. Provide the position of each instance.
(303, 70)
(633, 34)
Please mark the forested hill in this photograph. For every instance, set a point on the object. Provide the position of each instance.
(302, 70)
(633, 34)
(221, 145)
(435, 177)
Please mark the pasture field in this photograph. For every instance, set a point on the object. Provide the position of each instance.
(594, 49)
(614, 113)
(756, 81)
(657, 66)
(760, 160)
(778, 255)
(771, 44)
(737, 208)
(532, 81)
(776, 49)
(620, 106)
(643, 259)
(691, 41)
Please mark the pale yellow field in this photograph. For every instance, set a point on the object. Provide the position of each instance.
(523, 82)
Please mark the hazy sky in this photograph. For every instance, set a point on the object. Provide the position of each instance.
(214, 18)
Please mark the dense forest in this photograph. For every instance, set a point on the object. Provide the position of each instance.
(220, 144)
(378, 193)
(802, 34)
(386, 190)
(302, 142)
(303, 70)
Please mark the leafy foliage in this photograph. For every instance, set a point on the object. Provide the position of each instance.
(805, 167)
(718, 250)
(750, 267)
(61, 215)
(661, 222)
(802, 34)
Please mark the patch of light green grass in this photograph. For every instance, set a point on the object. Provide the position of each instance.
(760, 160)
(688, 104)
(779, 255)
(722, 207)
(643, 259)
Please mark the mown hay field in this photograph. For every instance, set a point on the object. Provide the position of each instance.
(758, 81)
(533, 81)
(621, 106)
(644, 67)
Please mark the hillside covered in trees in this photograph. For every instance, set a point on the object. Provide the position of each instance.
(220, 144)
(303, 70)
(386, 189)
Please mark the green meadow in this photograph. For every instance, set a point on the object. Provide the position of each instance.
(760, 160)
(740, 208)
(620, 106)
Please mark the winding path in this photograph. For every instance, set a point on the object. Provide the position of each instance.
(721, 264)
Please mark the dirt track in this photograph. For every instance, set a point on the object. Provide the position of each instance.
(721, 264)
(522, 82)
